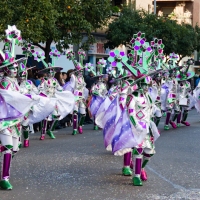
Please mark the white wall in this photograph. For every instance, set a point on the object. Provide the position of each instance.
(64, 63)
(144, 4)
(18, 49)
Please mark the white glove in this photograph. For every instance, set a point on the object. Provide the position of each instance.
(139, 128)
(35, 97)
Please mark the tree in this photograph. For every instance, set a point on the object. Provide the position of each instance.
(186, 40)
(160, 28)
(121, 30)
(197, 31)
(181, 39)
(62, 21)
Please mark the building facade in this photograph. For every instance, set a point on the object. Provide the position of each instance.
(187, 11)
(136, 4)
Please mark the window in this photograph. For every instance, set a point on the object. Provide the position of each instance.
(118, 2)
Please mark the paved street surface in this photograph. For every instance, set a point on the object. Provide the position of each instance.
(79, 168)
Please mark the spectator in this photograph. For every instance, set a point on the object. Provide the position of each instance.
(45, 76)
(58, 76)
(110, 81)
(197, 81)
(106, 79)
(38, 79)
(89, 80)
(31, 77)
(68, 119)
(64, 77)
(69, 73)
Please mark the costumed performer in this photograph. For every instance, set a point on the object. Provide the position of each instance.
(63, 100)
(77, 86)
(13, 105)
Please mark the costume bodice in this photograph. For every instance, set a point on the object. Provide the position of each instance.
(184, 89)
(8, 83)
(99, 89)
(27, 86)
(80, 83)
(127, 88)
(49, 87)
(173, 85)
(139, 105)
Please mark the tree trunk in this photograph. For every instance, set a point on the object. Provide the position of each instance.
(180, 58)
(47, 50)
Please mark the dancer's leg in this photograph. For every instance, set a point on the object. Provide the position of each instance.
(168, 115)
(75, 122)
(25, 130)
(6, 158)
(184, 118)
(52, 128)
(137, 158)
(44, 129)
(126, 170)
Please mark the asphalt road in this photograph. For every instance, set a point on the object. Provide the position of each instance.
(79, 168)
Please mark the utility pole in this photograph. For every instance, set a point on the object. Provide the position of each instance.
(154, 7)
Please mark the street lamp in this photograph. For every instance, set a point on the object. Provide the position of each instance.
(154, 7)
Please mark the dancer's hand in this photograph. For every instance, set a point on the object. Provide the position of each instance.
(35, 97)
(138, 128)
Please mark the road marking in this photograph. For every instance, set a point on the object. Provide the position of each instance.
(165, 179)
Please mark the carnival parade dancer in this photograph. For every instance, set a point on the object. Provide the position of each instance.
(98, 90)
(110, 112)
(38, 112)
(184, 92)
(157, 80)
(63, 100)
(141, 131)
(154, 92)
(135, 129)
(127, 87)
(169, 93)
(118, 61)
(25, 88)
(13, 105)
(77, 86)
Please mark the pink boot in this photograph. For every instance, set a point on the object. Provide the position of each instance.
(26, 143)
(80, 129)
(173, 124)
(143, 175)
(42, 137)
(185, 123)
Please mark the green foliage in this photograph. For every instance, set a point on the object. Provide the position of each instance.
(122, 29)
(115, 9)
(197, 31)
(186, 40)
(61, 21)
(181, 39)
